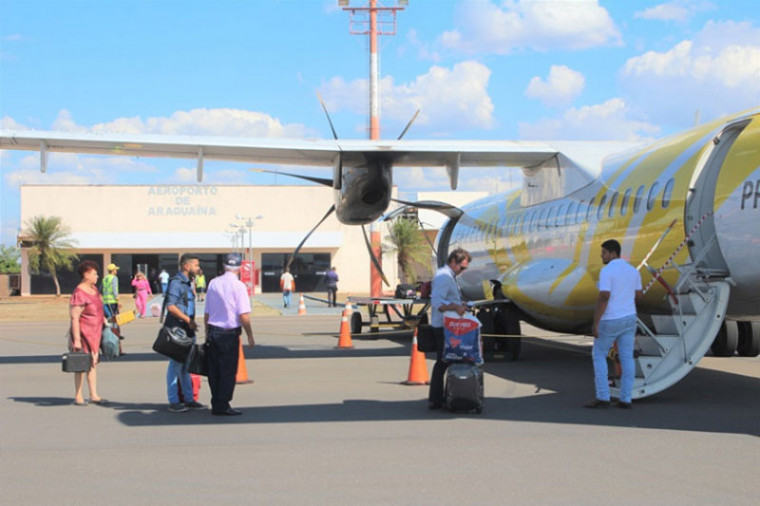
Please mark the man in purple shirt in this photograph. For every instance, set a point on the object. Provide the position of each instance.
(227, 310)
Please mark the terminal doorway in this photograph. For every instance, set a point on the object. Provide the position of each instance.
(308, 269)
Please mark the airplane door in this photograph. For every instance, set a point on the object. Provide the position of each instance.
(700, 203)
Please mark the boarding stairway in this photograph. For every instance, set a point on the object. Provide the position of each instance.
(669, 346)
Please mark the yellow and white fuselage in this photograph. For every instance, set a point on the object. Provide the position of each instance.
(543, 243)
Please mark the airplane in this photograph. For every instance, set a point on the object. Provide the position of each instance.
(686, 210)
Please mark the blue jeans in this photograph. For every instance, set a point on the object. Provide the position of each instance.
(177, 372)
(164, 286)
(286, 298)
(622, 331)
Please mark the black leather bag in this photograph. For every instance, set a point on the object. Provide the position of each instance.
(425, 338)
(76, 361)
(198, 362)
(173, 342)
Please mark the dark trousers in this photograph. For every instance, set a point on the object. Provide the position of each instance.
(223, 354)
(332, 293)
(439, 369)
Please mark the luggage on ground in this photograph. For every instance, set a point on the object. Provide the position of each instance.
(464, 387)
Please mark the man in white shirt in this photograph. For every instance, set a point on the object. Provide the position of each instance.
(615, 321)
(288, 286)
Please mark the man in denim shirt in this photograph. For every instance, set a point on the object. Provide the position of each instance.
(180, 308)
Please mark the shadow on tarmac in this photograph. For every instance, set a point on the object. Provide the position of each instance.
(704, 401)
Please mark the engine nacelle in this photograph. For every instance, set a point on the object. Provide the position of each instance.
(364, 192)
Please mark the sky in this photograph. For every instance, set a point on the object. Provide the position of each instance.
(476, 69)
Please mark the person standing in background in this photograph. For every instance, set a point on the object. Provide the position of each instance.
(331, 282)
(288, 286)
(110, 291)
(163, 277)
(142, 292)
(200, 285)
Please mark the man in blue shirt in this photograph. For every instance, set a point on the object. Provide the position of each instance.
(445, 297)
(180, 308)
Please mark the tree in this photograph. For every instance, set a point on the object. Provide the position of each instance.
(50, 246)
(405, 239)
(9, 260)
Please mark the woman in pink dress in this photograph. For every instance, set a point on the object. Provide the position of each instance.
(142, 291)
(87, 321)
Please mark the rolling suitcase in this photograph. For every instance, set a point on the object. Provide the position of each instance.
(464, 387)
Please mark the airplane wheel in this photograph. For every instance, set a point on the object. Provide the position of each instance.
(749, 339)
(356, 322)
(727, 339)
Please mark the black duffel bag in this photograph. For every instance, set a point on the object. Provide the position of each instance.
(198, 363)
(173, 342)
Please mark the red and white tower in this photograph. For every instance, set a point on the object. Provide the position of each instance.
(373, 19)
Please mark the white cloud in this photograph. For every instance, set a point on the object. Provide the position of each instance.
(456, 97)
(8, 123)
(676, 10)
(717, 72)
(223, 122)
(607, 121)
(484, 27)
(561, 87)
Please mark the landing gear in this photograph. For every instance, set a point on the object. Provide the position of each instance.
(749, 339)
(727, 339)
(501, 320)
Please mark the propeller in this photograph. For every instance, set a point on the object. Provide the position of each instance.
(408, 125)
(372, 256)
(298, 248)
(336, 184)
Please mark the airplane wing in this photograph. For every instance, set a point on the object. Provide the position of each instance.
(581, 160)
(321, 152)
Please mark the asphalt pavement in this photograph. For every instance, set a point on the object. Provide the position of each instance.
(328, 426)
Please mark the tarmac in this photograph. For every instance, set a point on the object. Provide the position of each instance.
(328, 426)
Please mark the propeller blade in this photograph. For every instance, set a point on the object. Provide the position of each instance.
(374, 259)
(319, 180)
(409, 124)
(422, 228)
(298, 248)
(324, 108)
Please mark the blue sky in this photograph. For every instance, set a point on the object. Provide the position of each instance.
(572, 69)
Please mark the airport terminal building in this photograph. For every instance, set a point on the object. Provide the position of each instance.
(147, 227)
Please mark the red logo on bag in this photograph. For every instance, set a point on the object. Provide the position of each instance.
(460, 326)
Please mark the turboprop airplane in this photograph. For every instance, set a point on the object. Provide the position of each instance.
(685, 209)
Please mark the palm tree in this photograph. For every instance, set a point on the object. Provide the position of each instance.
(405, 239)
(49, 246)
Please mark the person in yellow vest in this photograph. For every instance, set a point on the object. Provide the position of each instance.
(200, 284)
(110, 291)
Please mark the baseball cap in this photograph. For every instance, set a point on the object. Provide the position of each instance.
(113, 267)
(233, 260)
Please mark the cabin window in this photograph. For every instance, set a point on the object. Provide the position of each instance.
(613, 203)
(600, 209)
(508, 228)
(551, 216)
(637, 199)
(652, 195)
(667, 193)
(541, 217)
(582, 209)
(570, 216)
(560, 216)
(624, 202)
(590, 210)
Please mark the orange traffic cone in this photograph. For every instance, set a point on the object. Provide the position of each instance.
(344, 341)
(242, 373)
(301, 306)
(418, 373)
